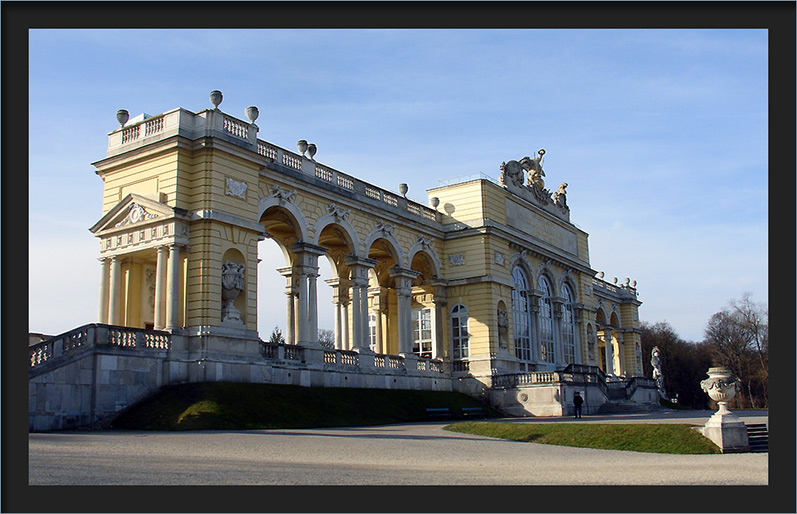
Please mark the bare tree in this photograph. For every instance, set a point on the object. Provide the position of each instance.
(327, 339)
(740, 336)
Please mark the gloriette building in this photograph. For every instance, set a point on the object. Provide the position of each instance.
(487, 290)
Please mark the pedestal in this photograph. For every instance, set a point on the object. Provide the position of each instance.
(727, 431)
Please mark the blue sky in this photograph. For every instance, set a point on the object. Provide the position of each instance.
(660, 134)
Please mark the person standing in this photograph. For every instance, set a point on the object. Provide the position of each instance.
(577, 401)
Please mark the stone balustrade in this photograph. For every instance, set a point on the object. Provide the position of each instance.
(213, 122)
(60, 347)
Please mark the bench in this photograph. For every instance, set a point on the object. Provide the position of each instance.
(473, 412)
(438, 412)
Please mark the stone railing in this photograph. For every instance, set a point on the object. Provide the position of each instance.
(149, 126)
(576, 374)
(92, 335)
(626, 291)
(214, 122)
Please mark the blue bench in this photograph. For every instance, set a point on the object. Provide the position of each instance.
(473, 412)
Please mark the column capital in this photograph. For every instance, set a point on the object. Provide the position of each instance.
(338, 282)
(302, 247)
(355, 261)
(395, 271)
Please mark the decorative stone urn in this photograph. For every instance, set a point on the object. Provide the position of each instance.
(122, 116)
(311, 150)
(215, 98)
(252, 113)
(302, 145)
(403, 188)
(721, 387)
(232, 283)
(724, 428)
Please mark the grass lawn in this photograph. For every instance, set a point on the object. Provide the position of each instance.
(238, 406)
(652, 438)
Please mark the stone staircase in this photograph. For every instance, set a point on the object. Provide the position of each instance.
(758, 437)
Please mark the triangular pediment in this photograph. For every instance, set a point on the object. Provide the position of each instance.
(133, 209)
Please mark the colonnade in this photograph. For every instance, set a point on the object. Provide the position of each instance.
(609, 336)
(167, 281)
(351, 300)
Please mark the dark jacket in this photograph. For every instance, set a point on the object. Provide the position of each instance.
(578, 400)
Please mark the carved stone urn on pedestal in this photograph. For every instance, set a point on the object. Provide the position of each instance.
(724, 428)
(232, 283)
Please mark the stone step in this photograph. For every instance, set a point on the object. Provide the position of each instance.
(758, 437)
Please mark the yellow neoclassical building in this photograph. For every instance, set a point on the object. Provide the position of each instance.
(487, 289)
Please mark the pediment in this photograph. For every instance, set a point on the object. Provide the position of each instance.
(133, 209)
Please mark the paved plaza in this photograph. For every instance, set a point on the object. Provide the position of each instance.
(405, 454)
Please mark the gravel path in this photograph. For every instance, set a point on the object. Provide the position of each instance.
(409, 454)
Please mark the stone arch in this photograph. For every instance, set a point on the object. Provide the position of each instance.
(285, 202)
(566, 277)
(293, 223)
(544, 269)
(600, 316)
(614, 318)
(424, 245)
(521, 260)
(393, 246)
(335, 218)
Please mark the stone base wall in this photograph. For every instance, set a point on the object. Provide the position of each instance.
(92, 386)
(92, 382)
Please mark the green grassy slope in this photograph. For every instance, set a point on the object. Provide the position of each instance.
(236, 406)
(652, 438)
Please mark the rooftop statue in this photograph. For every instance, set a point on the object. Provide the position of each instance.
(534, 167)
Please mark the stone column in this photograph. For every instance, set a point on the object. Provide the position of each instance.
(621, 367)
(103, 312)
(290, 307)
(607, 338)
(306, 266)
(356, 326)
(114, 303)
(402, 281)
(302, 325)
(559, 349)
(345, 340)
(438, 315)
(173, 288)
(160, 286)
(533, 298)
(359, 284)
(312, 305)
(577, 349)
(378, 296)
(336, 324)
(366, 340)
(339, 293)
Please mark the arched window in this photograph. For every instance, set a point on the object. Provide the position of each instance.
(521, 315)
(460, 345)
(568, 326)
(546, 322)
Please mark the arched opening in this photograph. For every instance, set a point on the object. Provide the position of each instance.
(382, 299)
(333, 289)
(275, 293)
